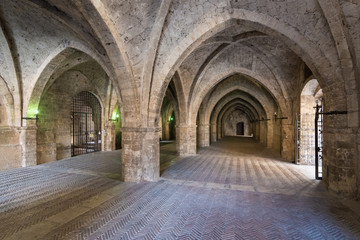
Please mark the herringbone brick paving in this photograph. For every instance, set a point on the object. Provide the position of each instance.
(235, 189)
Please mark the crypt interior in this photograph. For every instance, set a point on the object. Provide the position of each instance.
(179, 119)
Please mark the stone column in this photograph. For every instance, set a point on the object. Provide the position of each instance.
(219, 133)
(213, 132)
(109, 137)
(166, 131)
(287, 142)
(186, 140)
(28, 143)
(204, 134)
(140, 154)
(10, 148)
(340, 160)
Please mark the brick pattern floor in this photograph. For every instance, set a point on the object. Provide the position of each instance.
(235, 189)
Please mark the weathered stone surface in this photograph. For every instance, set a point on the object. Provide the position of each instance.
(140, 154)
(207, 57)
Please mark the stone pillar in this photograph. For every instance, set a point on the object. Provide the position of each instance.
(340, 160)
(28, 143)
(288, 142)
(204, 134)
(109, 137)
(186, 140)
(213, 132)
(45, 145)
(166, 131)
(270, 134)
(10, 148)
(140, 154)
(219, 134)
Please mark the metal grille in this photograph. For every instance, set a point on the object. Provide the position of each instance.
(305, 141)
(86, 124)
(318, 141)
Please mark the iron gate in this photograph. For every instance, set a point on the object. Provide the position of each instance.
(309, 140)
(305, 139)
(318, 141)
(86, 124)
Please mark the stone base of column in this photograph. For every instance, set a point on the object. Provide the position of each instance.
(340, 161)
(186, 140)
(28, 142)
(140, 154)
(213, 133)
(287, 143)
(204, 135)
(10, 148)
(109, 137)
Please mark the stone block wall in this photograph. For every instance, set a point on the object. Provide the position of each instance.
(54, 124)
(10, 148)
(230, 121)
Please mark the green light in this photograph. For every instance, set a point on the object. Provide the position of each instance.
(37, 111)
(117, 115)
(171, 118)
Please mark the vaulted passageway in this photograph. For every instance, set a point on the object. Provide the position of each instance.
(236, 189)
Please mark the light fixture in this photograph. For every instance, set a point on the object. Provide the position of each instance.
(116, 119)
(276, 117)
(32, 118)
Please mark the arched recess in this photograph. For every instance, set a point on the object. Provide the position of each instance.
(170, 112)
(222, 82)
(260, 127)
(250, 106)
(167, 118)
(246, 87)
(245, 100)
(85, 124)
(311, 95)
(236, 121)
(56, 115)
(55, 64)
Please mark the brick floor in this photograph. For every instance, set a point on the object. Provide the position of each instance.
(235, 189)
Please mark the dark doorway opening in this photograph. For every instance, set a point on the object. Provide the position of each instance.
(240, 128)
(86, 124)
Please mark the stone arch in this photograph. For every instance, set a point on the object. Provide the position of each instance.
(124, 80)
(229, 128)
(9, 85)
(213, 100)
(229, 85)
(306, 50)
(274, 82)
(49, 67)
(55, 115)
(219, 78)
(251, 104)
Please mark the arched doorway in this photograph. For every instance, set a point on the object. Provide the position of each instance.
(85, 124)
(309, 125)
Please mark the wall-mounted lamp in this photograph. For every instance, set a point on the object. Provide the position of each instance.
(33, 118)
(116, 119)
(276, 117)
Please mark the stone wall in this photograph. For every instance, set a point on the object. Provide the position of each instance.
(53, 137)
(232, 119)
